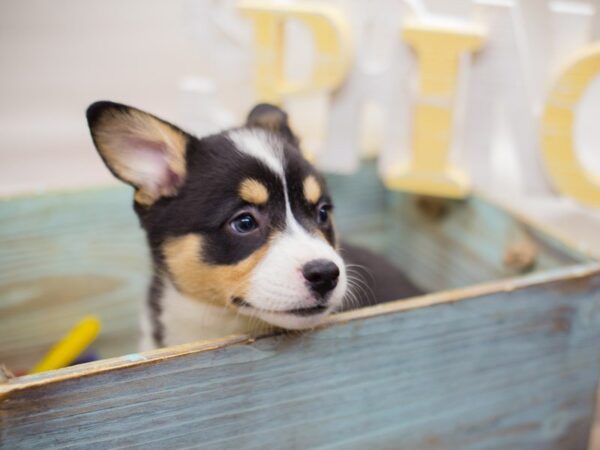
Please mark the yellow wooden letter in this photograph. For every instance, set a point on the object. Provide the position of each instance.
(331, 33)
(557, 129)
(438, 52)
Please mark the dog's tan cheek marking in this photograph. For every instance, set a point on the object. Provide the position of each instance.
(253, 191)
(312, 190)
(209, 283)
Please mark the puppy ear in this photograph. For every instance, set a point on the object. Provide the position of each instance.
(272, 118)
(139, 149)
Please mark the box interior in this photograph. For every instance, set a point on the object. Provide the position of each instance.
(65, 255)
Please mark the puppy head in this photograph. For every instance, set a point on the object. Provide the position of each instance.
(238, 219)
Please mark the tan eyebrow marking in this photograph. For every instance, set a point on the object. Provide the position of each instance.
(312, 190)
(254, 191)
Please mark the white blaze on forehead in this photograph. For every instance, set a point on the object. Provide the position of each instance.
(268, 149)
(261, 145)
(277, 284)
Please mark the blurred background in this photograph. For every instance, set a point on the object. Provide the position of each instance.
(58, 57)
(191, 63)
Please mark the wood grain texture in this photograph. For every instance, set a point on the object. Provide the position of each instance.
(63, 256)
(66, 255)
(514, 369)
(504, 360)
(463, 247)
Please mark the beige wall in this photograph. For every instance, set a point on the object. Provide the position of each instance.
(58, 56)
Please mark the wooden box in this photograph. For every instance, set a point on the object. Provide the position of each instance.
(503, 354)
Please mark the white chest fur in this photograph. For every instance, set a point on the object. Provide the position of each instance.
(187, 320)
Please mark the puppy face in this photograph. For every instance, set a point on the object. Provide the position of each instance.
(238, 219)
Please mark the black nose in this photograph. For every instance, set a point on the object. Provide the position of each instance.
(321, 275)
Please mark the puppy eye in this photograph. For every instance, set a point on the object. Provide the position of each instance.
(244, 223)
(323, 213)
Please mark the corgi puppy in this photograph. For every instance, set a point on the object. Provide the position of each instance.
(239, 224)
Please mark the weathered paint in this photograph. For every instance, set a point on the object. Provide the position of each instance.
(507, 369)
(465, 246)
(504, 360)
(63, 256)
(66, 255)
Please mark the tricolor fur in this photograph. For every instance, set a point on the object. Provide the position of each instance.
(239, 224)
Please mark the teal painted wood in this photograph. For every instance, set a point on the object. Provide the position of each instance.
(63, 256)
(464, 247)
(514, 369)
(69, 254)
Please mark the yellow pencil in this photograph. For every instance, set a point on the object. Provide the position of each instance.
(70, 346)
